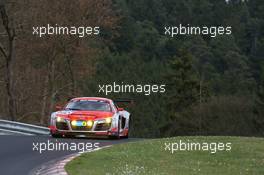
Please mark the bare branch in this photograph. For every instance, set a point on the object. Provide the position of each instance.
(3, 51)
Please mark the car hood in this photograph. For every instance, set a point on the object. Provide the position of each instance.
(85, 115)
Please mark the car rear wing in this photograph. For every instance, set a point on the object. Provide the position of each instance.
(123, 101)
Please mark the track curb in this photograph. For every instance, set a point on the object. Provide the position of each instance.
(57, 167)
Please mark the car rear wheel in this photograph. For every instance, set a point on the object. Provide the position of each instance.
(126, 136)
(129, 124)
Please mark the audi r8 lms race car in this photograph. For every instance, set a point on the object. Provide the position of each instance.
(90, 116)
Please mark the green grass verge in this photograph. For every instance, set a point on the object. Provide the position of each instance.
(149, 157)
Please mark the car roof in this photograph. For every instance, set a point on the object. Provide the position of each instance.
(92, 98)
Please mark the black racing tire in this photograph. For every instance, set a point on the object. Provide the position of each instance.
(55, 135)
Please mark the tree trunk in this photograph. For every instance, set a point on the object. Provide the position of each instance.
(9, 56)
(53, 92)
(200, 102)
(10, 82)
(71, 75)
(44, 99)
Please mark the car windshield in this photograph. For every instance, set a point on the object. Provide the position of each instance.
(88, 105)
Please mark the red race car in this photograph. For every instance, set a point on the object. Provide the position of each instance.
(90, 116)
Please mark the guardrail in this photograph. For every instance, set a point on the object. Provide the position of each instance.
(12, 127)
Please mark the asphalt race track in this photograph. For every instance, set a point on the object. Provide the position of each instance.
(18, 158)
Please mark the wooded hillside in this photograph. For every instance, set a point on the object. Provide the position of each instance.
(214, 86)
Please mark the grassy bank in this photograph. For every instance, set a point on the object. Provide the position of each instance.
(150, 157)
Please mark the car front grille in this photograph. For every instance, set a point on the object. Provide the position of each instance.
(97, 127)
(80, 128)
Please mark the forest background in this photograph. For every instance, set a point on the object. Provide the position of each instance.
(214, 86)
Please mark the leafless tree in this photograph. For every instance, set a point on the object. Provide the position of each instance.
(40, 70)
(8, 52)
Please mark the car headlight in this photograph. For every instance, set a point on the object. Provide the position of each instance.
(89, 123)
(108, 120)
(74, 123)
(60, 119)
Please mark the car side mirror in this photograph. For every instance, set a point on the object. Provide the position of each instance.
(58, 108)
(120, 109)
